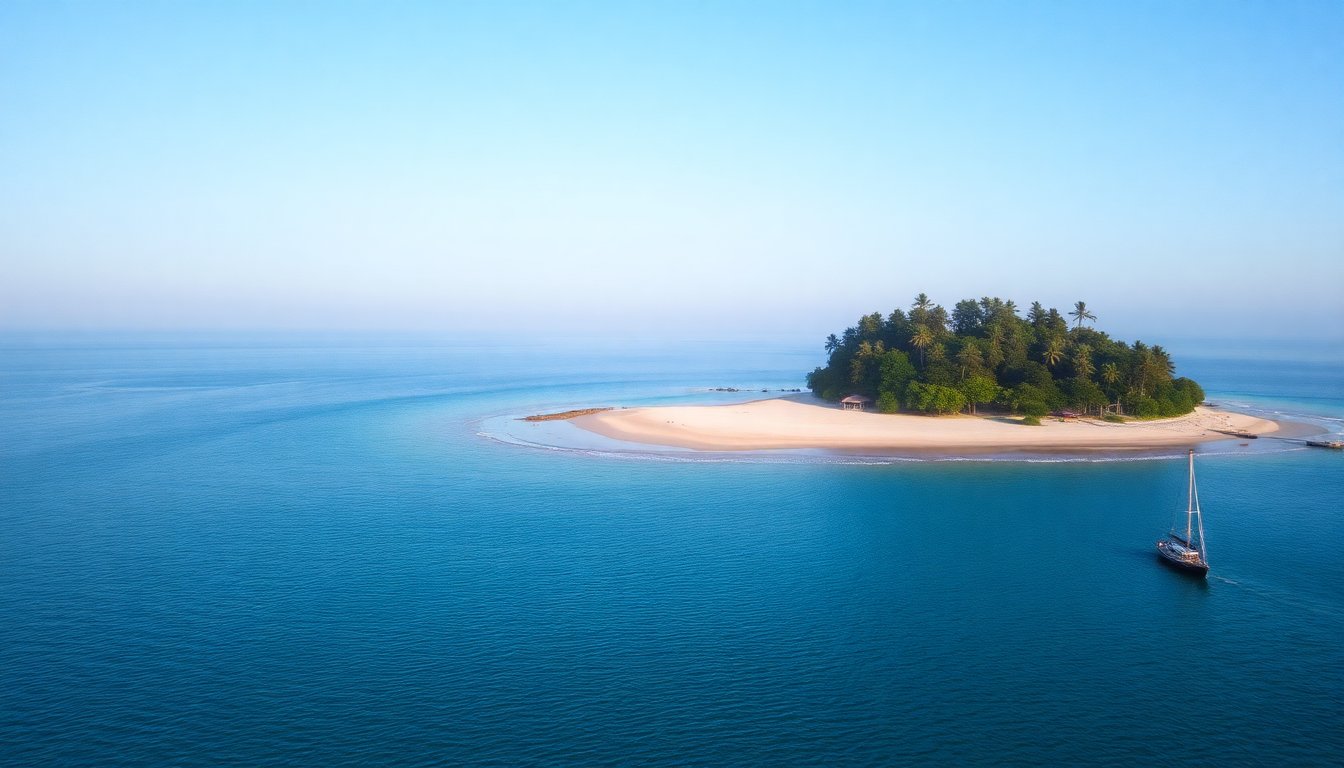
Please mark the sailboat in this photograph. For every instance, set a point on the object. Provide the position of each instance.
(1187, 553)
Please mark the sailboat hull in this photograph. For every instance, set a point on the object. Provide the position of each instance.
(1174, 561)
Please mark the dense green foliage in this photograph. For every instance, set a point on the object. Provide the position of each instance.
(984, 353)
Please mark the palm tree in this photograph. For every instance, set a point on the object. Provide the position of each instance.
(1155, 368)
(970, 359)
(1054, 351)
(832, 343)
(1110, 374)
(994, 347)
(922, 302)
(1162, 361)
(1080, 312)
(922, 340)
(864, 363)
(1082, 361)
(1143, 368)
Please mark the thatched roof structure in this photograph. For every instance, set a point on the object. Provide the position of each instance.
(856, 402)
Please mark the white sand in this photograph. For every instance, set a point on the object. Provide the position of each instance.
(789, 423)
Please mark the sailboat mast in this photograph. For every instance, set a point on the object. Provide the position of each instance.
(1190, 500)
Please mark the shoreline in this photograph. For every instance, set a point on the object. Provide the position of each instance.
(807, 423)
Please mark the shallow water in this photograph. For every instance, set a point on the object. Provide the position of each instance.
(304, 550)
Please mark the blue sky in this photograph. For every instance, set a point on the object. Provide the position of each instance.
(670, 168)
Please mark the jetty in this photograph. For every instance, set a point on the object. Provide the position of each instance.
(1336, 444)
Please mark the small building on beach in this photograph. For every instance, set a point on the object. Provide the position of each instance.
(856, 402)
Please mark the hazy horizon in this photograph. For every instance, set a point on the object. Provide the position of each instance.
(670, 170)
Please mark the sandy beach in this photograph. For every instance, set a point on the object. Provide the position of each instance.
(797, 423)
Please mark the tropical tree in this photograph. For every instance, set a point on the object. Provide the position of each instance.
(1152, 368)
(937, 351)
(1082, 361)
(1085, 394)
(921, 310)
(896, 372)
(870, 326)
(979, 389)
(937, 320)
(864, 368)
(1162, 362)
(1110, 374)
(1156, 367)
(994, 348)
(1016, 341)
(832, 343)
(1054, 322)
(1080, 313)
(922, 339)
(934, 398)
(1036, 315)
(967, 316)
(896, 330)
(970, 358)
(1054, 351)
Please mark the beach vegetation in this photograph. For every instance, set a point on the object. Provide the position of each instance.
(896, 373)
(985, 354)
(1085, 394)
(979, 389)
(1030, 400)
(934, 398)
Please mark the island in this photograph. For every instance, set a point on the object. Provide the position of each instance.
(981, 378)
(985, 354)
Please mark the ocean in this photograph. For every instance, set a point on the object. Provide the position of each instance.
(342, 550)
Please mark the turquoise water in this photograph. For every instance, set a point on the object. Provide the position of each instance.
(257, 551)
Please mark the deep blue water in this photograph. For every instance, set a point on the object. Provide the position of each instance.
(303, 551)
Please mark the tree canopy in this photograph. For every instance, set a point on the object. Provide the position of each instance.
(985, 353)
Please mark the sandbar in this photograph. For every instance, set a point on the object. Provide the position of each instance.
(564, 415)
(802, 423)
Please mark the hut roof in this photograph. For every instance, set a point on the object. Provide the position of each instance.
(857, 399)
